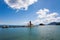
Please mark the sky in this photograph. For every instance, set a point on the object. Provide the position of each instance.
(20, 12)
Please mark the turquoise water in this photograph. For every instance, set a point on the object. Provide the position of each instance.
(49, 32)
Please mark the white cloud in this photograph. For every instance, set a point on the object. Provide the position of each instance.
(44, 16)
(42, 13)
(19, 4)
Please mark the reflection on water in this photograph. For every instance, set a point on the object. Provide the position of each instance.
(34, 33)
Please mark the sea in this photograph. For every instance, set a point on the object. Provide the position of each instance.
(45, 32)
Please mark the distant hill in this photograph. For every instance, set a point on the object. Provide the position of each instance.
(41, 24)
(54, 23)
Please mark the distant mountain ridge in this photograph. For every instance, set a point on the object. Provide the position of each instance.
(54, 23)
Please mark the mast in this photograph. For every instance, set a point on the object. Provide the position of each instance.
(30, 24)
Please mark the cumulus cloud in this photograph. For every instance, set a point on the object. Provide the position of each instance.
(44, 16)
(19, 4)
